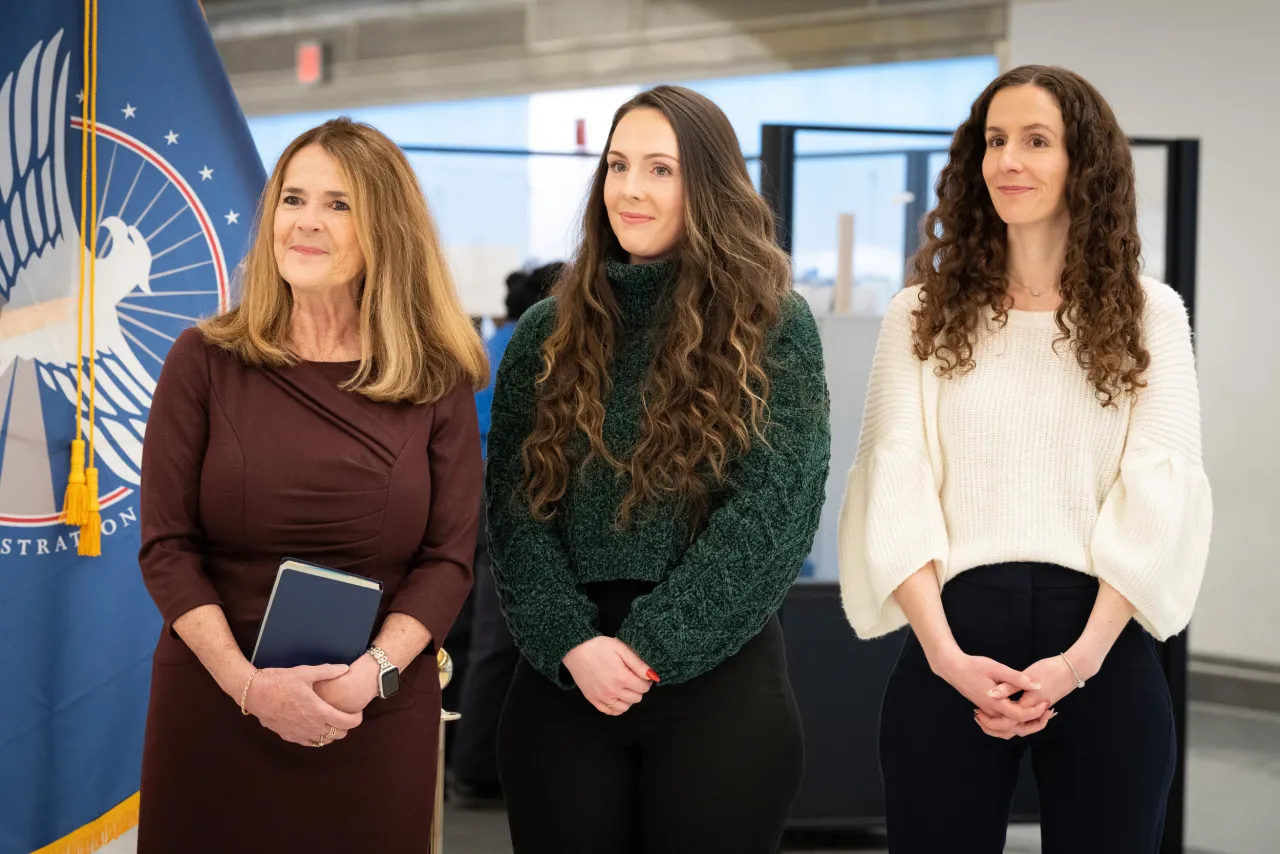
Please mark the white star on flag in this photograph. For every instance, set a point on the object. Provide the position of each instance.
(80, 96)
(171, 138)
(129, 110)
(206, 174)
(233, 218)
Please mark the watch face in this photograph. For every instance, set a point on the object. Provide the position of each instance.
(390, 682)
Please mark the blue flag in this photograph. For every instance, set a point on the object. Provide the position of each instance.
(177, 186)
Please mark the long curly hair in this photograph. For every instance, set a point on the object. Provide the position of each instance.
(705, 394)
(961, 263)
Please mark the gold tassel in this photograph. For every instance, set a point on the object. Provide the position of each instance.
(91, 528)
(90, 544)
(75, 505)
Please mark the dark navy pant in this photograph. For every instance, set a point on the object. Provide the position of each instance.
(1103, 766)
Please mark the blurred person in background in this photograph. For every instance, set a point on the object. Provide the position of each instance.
(657, 463)
(491, 660)
(1028, 492)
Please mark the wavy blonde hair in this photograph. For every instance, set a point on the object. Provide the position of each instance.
(416, 342)
(705, 395)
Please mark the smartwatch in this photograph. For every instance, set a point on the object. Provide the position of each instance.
(388, 673)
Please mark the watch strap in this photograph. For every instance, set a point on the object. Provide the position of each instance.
(380, 657)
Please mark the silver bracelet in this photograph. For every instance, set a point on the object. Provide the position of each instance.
(1079, 681)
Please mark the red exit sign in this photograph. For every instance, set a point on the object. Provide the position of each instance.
(309, 63)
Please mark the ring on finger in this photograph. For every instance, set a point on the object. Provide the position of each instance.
(612, 705)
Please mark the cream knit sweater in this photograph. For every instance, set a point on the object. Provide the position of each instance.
(1018, 461)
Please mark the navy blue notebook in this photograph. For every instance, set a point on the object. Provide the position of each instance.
(316, 615)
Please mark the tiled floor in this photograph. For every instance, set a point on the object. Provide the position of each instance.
(1233, 798)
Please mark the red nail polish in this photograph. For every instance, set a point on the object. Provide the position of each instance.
(652, 676)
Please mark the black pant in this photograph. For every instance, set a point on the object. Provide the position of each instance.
(460, 642)
(491, 663)
(1103, 767)
(706, 766)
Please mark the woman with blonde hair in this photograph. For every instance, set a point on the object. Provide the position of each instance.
(327, 417)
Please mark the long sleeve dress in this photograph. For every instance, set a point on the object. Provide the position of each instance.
(243, 466)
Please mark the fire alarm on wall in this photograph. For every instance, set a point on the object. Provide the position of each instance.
(310, 63)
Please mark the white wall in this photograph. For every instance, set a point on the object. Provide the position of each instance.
(1208, 70)
(558, 186)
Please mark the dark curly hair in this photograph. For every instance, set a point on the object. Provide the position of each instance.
(961, 263)
(705, 393)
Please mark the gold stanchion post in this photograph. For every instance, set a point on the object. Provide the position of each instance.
(444, 664)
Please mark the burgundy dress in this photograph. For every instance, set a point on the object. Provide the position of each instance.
(243, 466)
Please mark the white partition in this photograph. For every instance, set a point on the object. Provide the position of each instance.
(848, 343)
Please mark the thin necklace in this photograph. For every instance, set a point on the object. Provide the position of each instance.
(1029, 290)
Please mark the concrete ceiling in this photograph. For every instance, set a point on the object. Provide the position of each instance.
(389, 51)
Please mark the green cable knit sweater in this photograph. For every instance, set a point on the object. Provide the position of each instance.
(713, 594)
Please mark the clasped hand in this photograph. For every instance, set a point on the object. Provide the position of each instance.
(609, 674)
(310, 705)
(990, 686)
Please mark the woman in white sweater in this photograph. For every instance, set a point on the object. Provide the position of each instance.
(1028, 492)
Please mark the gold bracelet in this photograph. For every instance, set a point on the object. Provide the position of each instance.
(1079, 681)
(244, 695)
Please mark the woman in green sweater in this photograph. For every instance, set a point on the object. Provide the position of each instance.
(657, 459)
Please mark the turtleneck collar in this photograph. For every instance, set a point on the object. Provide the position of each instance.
(640, 289)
